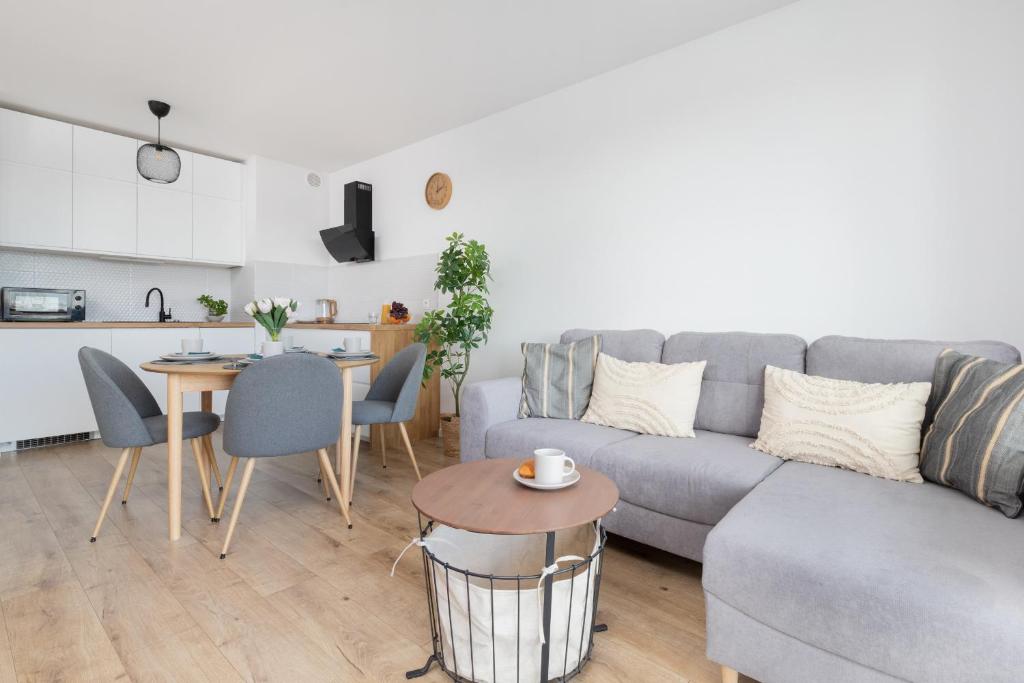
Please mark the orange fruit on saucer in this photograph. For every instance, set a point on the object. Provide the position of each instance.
(526, 470)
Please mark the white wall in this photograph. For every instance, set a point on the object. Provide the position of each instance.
(284, 214)
(833, 167)
(284, 253)
(361, 288)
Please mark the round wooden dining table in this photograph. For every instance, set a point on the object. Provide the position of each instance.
(207, 377)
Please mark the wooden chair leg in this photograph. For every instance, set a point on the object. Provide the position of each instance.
(383, 447)
(232, 466)
(214, 465)
(201, 462)
(320, 479)
(110, 492)
(136, 456)
(239, 499)
(323, 481)
(357, 439)
(325, 463)
(730, 675)
(408, 447)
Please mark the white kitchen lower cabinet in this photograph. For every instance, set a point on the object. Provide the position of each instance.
(136, 346)
(226, 340)
(165, 223)
(35, 206)
(105, 213)
(326, 340)
(42, 392)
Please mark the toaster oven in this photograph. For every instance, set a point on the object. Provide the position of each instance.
(32, 304)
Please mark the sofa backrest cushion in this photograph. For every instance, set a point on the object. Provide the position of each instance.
(629, 345)
(892, 360)
(732, 394)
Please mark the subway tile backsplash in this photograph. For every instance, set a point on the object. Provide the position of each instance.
(116, 290)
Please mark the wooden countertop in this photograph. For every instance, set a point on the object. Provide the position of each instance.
(100, 325)
(355, 327)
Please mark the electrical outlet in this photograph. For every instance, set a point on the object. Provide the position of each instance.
(426, 304)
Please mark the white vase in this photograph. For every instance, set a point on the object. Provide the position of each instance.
(272, 348)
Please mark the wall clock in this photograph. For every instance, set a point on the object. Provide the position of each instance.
(438, 191)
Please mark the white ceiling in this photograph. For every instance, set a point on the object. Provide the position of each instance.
(323, 83)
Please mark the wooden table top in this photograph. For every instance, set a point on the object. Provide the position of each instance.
(482, 496)
(217, 368)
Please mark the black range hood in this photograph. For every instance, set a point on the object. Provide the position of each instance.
(353, 241)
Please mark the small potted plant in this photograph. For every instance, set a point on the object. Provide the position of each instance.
(273, 315)
(216, 309)
(451, 333)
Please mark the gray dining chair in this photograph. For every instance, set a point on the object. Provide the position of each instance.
(281, 406)
(130, 419)
(390, 400)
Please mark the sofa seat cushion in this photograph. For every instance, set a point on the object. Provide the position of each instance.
(697, 479)
(914, 580)
(520, 438)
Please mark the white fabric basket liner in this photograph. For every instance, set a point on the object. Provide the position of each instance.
(495, 661)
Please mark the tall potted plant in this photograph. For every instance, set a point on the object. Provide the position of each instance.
(451, 333)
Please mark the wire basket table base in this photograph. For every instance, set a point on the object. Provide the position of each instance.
(439, 576)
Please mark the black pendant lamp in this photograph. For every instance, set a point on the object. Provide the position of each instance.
(158, 163)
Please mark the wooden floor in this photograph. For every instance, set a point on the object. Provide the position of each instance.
(299, 598)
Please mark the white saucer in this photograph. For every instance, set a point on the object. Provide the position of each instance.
(569, 480)
(178, 356)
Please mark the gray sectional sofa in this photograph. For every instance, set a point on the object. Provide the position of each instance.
(810, 573)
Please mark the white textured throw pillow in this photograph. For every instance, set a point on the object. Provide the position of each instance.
(650, 398)
(869, 428)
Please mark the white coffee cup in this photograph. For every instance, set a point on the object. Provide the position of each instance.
(551, 466)
(191, 345)
(353, 344)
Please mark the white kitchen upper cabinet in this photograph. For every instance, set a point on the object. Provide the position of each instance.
(164, 223)
(33, 140)
(184, 181)
(136, 346)
(216, 177)
(106, 155)
(35, 206)
(43, 391)
(218, 229)
(105, 215)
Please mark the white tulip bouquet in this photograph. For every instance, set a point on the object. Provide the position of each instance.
(273, 314)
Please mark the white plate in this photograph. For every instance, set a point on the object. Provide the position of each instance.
(295, 349)
(570, 479)
(206, 355)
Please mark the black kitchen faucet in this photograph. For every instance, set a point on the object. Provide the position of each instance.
(164, 317)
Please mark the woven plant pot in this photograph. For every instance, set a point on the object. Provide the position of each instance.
(450, 435)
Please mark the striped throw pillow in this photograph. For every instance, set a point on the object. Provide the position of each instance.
(976, 439)
(557, 378)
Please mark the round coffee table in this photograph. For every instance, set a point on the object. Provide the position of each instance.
(482, 497)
